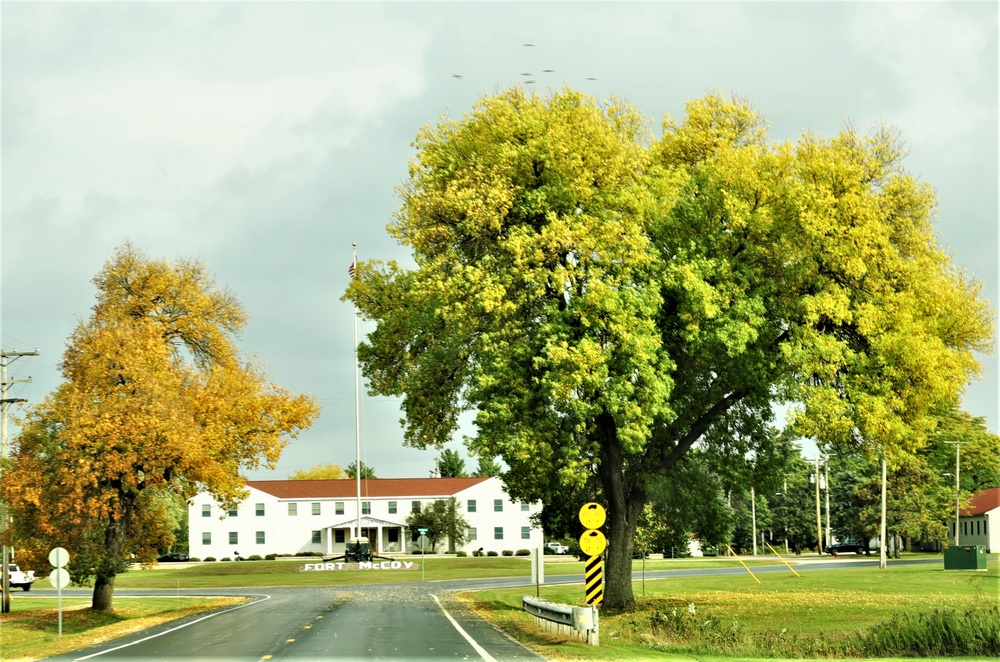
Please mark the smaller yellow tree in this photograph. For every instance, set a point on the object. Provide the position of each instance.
(156, 404)
(328, 471)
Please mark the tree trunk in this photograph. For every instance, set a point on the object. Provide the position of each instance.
(624, 504)
(104, 594)
(107, 567)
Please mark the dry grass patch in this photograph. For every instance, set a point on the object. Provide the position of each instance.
(31, 630)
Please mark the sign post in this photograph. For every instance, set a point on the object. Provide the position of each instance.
(593, 543)
(423, 554)
(538, 568)
(59, 578)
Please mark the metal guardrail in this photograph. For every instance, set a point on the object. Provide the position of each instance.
(577, 622)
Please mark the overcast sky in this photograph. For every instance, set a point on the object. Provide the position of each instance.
(265, 138)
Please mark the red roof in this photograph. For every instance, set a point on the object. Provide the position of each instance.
(983, 502)
(374, 487)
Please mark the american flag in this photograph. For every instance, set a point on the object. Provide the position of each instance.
(350, 270)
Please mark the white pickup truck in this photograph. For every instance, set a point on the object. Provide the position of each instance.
(20, 578)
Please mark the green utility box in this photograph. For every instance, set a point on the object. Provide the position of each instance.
(965, 557)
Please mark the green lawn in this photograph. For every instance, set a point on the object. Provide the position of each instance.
(252, 574)
(829, 604)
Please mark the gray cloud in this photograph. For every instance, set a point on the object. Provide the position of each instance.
(265, 138)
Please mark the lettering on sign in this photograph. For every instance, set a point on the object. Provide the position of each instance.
(364, 565)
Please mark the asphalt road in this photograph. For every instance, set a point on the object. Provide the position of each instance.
(386, 622)
(415, 621)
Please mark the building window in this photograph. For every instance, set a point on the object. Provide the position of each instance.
(338, 536)
(498, 505)
(472, 533)
(366, 507)
(206, 510)
(338, 508)
(498, 533)
(293, 509)
(525, 532)
(259, 509)
(234, 538)
(392, 507)
(317, 537)
(393, 535)
(524, 505)
(315, 508)
(233, 512)
(206, 538)
(260, 537)
(471, 506)
(415, 507)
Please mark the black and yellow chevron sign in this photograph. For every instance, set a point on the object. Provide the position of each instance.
(594, 580)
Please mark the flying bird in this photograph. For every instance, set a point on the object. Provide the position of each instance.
(529, 44)
(589, 78)
(456, 75)
(547, 71)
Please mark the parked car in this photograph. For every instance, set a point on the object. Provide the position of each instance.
(556, 548)
(846, 548)
(172, 558)
(19, 578)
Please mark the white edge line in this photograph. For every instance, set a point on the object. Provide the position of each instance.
(179, 627)
(479, 649)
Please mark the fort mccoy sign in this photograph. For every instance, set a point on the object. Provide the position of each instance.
(362, 565)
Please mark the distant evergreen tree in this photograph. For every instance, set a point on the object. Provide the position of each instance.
(487, 467)
(366, 471)
(451, 465)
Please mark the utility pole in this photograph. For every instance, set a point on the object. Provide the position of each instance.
(958, 500)
(826, 486)
(883, 529)
(819, 519)
(4, 402)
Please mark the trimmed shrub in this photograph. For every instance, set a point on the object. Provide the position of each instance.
(491, 553)
(522, 552)
(254, 557)
(461, 554)
(271, 557)
(209, 559)
(508, 552)
(194, 560)
(225, 558)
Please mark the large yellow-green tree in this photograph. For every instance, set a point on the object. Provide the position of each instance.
(156, 403)
(603, 300)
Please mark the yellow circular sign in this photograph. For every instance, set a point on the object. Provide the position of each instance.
(592, 543)
(592, 515)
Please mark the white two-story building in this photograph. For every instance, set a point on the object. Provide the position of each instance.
(286, 517)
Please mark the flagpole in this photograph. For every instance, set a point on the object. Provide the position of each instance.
(357, 402)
